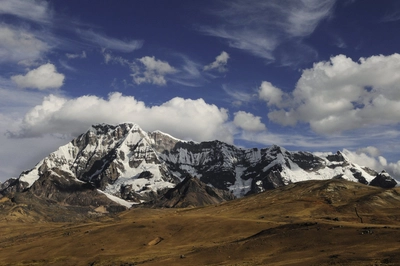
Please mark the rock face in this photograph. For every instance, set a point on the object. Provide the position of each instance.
(383, 180)
(192, 192)
(61, 187)
(12, 185)
(138, 166)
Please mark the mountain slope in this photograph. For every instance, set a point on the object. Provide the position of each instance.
(306, 223)
(131, 164)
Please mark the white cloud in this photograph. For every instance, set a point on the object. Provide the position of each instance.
(182, 118)
(17, 101)
(111, 43)
(363, 159)
(23, 44)
(270, 94)
(34, 10)
(259, 26)
(220, 63)
(342, 94)
(42, 78)
(152, 71)
(73, 56)
(17, 45)
(17, 155)
(248, 121)
(370, 150)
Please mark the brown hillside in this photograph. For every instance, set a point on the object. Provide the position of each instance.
(309, 223)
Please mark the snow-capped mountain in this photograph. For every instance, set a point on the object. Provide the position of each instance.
(126, 162)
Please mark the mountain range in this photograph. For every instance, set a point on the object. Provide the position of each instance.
(114, 166)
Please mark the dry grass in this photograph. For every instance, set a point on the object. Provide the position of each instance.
(311, 223)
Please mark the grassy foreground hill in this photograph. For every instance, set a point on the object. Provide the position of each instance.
(333, 222)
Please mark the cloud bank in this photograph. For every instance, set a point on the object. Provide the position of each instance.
(182, 118)
(340, 95)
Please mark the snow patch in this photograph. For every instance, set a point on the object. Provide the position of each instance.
(117, 200)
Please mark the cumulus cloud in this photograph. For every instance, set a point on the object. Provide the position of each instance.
(270, 94)
(182, 118)
(248, 121)
(73, 56)
(111, 43)
(341, 94)
(220, 63)
(259, 27)
(42, 78)
(17, 45)
(151, 70)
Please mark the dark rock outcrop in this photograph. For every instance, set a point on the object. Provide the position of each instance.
(191, 192)
(383, 180)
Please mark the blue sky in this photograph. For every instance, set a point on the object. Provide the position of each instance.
(312, 75)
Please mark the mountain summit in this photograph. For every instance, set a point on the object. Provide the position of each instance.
(131, 165)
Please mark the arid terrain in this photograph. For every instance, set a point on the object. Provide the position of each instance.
(332, 222)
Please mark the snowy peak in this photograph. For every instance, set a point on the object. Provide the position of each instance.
(134, 165)
(112, 157)
(162, 142)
